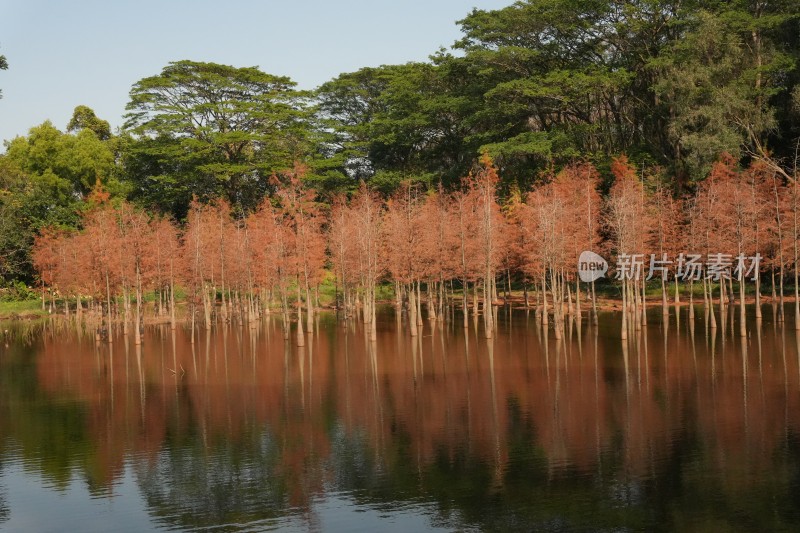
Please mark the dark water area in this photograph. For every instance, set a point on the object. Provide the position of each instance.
(675, 429)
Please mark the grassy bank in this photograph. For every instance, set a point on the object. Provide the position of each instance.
(21, 309)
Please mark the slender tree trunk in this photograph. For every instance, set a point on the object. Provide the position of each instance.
(758, 293)
(137, 338)
(125, 308)
(206, 306)
(742, 324)
(309, 311)
(711, 308)
(796, 265)
(419, 305)
(373, 327)
(464, 304)
(172, 322)
(644, 303)
(109, 331)
(772, 277)
(488, 314)
(781, 316)
(431, 290)
(412, 310)
(637, 324)
(545, 318)
(624, 332)
(300, 336)
(558, 304)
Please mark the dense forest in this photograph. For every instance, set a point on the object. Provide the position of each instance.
(547, 117)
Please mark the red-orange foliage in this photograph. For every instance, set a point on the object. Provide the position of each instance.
(403, 235)
(626, 216)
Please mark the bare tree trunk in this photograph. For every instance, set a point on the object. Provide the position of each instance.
(431, 301)
(206, 306)
(285, 310)
(742, 324)
(758, 293)
(643, 322)
(126, 303)
(412, 310)
(108, 302)
(300, 336)
(794, 247)
(137, 339)
(309, 311)
(488, 314)
(637, 324)
(624, 332)
(464, 304)
(558, 305)
(781, 316)
(545, 318)
(419, 305)
(172, 322)
(711, 308)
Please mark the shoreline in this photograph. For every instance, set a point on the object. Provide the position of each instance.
(516, 301)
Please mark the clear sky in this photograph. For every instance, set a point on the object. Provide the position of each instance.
(65, 53)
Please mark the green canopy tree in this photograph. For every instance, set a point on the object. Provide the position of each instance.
(562, 79)
(44, 179)
(541, 83)
(212, 130)
(80, 160)
(397, 119)
(723, 81)
(536, 83)
(83, 117)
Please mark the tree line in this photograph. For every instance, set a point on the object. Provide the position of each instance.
(440, 249)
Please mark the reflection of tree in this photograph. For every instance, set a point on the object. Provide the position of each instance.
(565, 438)
(236, 481)
(5, 512)
(51, 435)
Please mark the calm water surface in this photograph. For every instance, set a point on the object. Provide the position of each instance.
(674, 430)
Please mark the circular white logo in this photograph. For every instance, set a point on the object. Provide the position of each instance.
(591, 267)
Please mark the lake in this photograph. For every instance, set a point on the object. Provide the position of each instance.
(675, 429)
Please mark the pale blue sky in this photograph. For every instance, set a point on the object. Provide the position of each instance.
(65, 53)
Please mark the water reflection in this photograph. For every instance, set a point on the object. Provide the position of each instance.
(681, 425)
